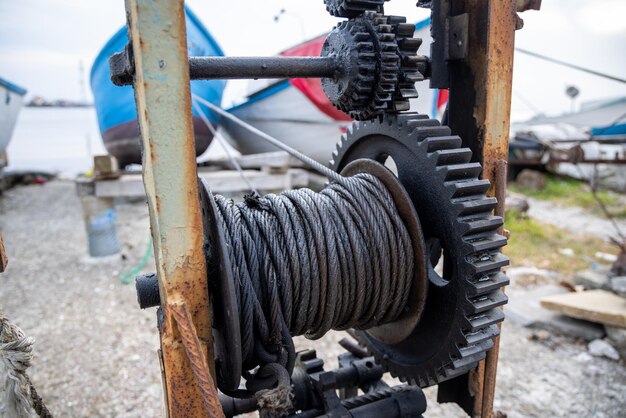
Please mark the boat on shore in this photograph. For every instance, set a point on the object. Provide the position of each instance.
(115, 106)
(298, 113)
(11, 97)
(589, 144)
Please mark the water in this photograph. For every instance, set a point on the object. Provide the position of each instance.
(60, 140)
(64, 141)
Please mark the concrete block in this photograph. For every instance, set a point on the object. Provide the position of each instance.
(591, 305)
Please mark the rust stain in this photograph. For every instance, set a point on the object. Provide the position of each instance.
(499, 78)
(3, 256)
(196, 355)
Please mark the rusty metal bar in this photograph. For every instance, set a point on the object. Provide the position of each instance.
(199, 364)
(3, 256)
(479, 111)
(158, 36)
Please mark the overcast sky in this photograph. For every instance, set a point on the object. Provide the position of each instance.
(42, 42)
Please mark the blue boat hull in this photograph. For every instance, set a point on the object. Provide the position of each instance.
(115, 106)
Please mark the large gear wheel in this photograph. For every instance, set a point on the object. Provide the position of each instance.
(462, 311)
(367, 45)
(352, 8)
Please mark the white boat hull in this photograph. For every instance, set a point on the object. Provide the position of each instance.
(283, 111)
(10, 105)
(302, 125)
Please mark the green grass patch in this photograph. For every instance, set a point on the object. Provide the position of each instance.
(533, 244)
(571, 192)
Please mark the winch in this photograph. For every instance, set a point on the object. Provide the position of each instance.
(401, 248)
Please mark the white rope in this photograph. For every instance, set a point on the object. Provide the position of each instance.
(320, 168)
(15, 357)
(220, 141)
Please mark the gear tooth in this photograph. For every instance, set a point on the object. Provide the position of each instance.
(443, 142)
(488, 223)
(463, 171)
(465, 364)
(470, 188)
(480, 336)
(489, 301)
(401, 105)
(453, 156)
(485, 319)
(428, 129)
(486, 283)
(473, 350)
(472, 207)
(490, 242)
(484, 262)
(352, 8)
(410, 93)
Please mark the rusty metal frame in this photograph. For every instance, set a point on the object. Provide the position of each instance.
(158, 36)
(480, 77)
(479, 111)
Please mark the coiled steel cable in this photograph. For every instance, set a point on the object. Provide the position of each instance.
(306, 262)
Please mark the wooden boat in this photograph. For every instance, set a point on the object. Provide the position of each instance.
(115, 106)
(11, 97)
(298, 113)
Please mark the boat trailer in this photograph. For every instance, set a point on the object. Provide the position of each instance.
(223, 266)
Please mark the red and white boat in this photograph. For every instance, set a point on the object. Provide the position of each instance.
(298, 113)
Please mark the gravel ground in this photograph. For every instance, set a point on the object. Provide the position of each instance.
(573, 219)
(95, 350)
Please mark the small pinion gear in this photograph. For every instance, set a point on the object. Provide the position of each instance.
(368, 49)
(462, 310)
(412, 65)
(352, 8)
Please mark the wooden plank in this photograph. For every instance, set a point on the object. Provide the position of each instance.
(227, 181)
(592, 305)
(278, 159)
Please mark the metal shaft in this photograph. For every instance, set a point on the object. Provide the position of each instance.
(209, 68)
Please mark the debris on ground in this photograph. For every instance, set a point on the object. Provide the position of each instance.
(12, 178)
(601, 348)
(618, 285)
(592, 279)
(531, 276)
(617, 338)
(516, 202)
(531, 180)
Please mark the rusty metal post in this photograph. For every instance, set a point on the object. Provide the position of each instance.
(479, 111)
(158, 37)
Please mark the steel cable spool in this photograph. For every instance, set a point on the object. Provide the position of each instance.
(302, 263)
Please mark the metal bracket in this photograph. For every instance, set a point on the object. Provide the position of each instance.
(457, 37)
(122, 66)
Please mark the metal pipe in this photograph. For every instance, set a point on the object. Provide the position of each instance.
(229, 68)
